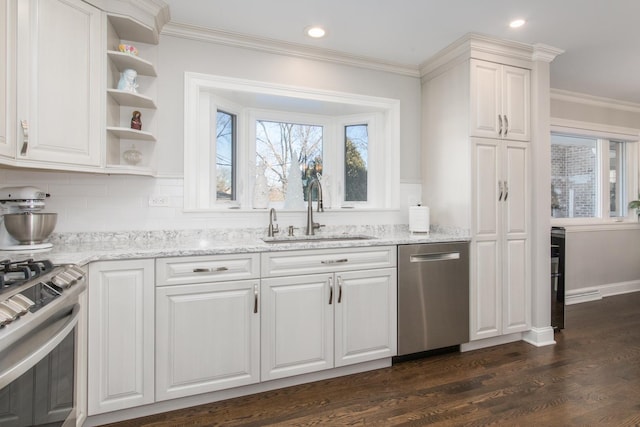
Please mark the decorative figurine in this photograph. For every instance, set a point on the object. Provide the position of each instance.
(128, 81)
(136, 121)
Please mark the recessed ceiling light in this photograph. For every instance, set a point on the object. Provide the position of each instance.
(315, 31)
(517, 23)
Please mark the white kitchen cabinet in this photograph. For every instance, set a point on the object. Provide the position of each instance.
(207, 325)
(338, 316)
(501, 295)
(120, 105)
(58, 75)
(7, 75)
(121, 335)
(297, 325)
(500, 101)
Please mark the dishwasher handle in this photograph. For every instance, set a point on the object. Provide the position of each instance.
(439, 256)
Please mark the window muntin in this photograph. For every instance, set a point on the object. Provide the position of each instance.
(279, 144)
(356, 158)
(225, 156)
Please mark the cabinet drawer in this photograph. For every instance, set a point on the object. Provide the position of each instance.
(203, 269)
(326, 260)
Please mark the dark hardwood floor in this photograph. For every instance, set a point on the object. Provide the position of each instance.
(591, 377)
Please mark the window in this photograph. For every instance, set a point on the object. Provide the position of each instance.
(589, 176)
(225, 184)
(356, 144)
(350, 142)
(291, 154)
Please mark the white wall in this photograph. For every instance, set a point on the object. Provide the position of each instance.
(87, 202)
(603, 259)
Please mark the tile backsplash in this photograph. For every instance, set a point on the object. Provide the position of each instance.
(96, 202)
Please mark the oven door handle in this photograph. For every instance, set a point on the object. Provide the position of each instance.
(26, 354)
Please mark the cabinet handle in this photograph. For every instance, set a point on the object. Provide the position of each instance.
(499, 125)
(506, 191)
(334, 261)
(439, 256)
(501, 191)
(339, 289)
(330, 291)
(255, 298)
(210, 270)
(25, 137)
(506, 125)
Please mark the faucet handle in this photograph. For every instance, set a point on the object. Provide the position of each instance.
(291, 228)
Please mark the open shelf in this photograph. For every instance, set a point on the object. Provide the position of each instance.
(131, 99)
(126, 133)
(125, 60)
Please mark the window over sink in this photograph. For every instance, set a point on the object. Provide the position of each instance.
(236, 130)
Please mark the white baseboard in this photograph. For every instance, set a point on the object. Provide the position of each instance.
(490, 342)
(539, 336)
(594, 293)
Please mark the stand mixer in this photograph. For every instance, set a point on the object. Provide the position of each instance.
(17, 200)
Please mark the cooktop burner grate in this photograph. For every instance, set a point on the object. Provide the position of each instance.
(17, 272)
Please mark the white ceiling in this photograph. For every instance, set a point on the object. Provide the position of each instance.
(601, 38)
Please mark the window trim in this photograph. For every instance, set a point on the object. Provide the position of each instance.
(603, 132)
(199, 90)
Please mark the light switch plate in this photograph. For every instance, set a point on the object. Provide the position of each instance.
(159, 200)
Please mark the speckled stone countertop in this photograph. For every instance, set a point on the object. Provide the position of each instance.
(82, 248)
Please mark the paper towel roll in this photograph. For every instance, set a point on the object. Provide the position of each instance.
(419, 219)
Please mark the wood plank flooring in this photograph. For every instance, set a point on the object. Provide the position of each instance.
(591, 377)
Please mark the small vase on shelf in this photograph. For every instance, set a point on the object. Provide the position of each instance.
(132, 156)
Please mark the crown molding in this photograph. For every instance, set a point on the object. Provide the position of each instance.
(284, 48)
(153, 13)
(545, 53)
(596, 101)
(479, 46)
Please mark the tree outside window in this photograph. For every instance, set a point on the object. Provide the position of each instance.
(276, 145)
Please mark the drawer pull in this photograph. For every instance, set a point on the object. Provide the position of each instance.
(210, 270)
(339, 289)
(434, 257)
(335, 261)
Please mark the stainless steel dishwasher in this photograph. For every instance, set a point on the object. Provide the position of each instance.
(433, 296)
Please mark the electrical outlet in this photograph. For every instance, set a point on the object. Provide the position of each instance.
(159, 200)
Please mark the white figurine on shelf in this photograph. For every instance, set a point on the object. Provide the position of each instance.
(128, 80)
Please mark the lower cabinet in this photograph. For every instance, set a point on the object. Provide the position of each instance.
(120, 335)
(182, 326)
(207, 337)
(320, 321)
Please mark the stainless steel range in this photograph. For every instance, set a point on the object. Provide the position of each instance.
(39, 312)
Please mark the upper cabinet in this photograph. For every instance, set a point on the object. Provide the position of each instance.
(61, 102)
(7, 71)
(500, 101)
(54, 66)
(131, 51)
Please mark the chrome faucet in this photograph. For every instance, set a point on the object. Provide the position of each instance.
(272, 217)
(312, 226)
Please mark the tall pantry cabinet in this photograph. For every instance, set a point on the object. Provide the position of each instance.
(476, 171)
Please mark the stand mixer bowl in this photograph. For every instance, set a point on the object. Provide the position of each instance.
(30, 228)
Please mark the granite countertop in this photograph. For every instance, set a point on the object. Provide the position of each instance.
(82, 248)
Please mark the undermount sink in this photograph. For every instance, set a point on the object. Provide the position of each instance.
(307, 239)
